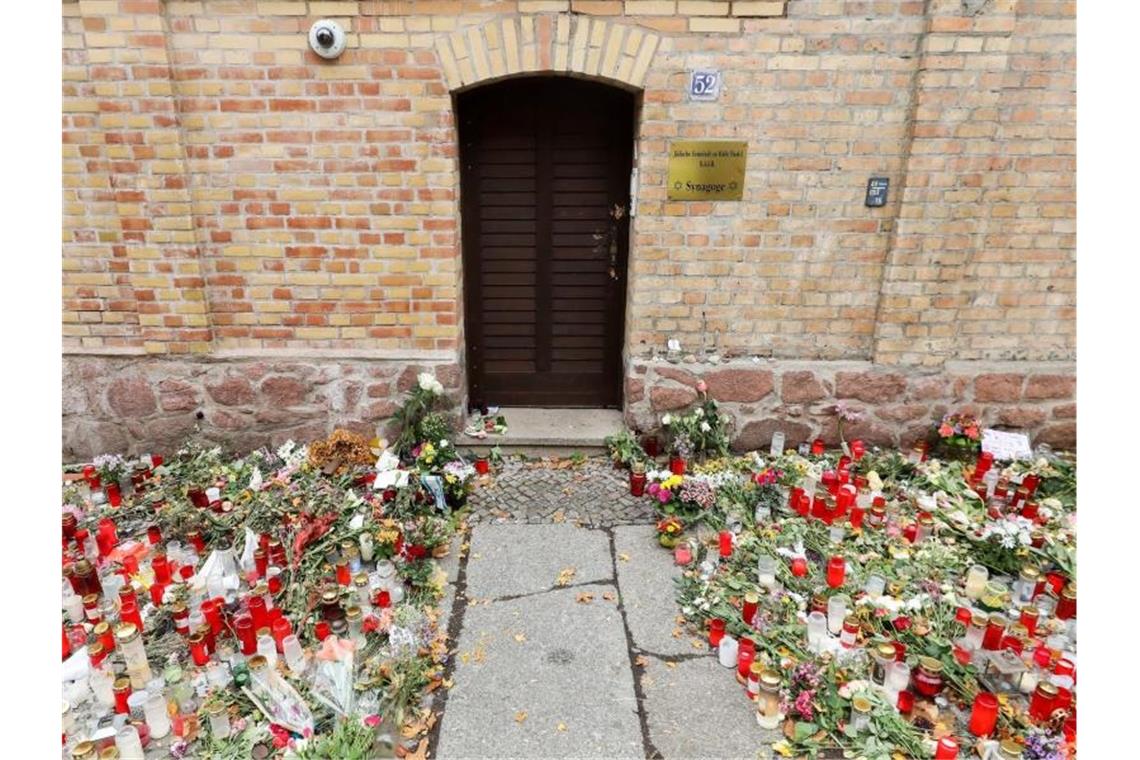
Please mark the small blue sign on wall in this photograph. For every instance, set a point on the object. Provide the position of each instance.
(877, 191)
(704, 84)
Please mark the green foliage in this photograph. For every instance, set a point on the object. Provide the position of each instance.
(624, 448)
(701, 430)
(349, 740)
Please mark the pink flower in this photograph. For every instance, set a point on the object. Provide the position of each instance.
(663, 495)
(702, 386)
(372, 721)
(972, 432)
(945, 431)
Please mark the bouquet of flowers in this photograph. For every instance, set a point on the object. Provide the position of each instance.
(698, 431)
(959, 435)
(669, 531)
(111, 468)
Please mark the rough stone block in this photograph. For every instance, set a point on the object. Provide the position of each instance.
(998, 387)
(801, 388)
(872, 387)
(739, 384)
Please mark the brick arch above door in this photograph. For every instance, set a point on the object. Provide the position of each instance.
(564, 43)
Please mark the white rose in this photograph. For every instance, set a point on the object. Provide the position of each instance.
(667, 420)
(705, 427)
(443, 444)
(426, 381)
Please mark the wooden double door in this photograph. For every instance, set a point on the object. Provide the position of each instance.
(545, 201)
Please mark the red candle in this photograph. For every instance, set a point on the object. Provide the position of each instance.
(858, 449)
(1029, 616)
(199, 650)
(817, 447)
(745, 656)
(794, 498)
(274, 579)
(995, 630)
(682, 554)
(651, 447)
(322, 630)
(212, 609)
(725, 543)
(963, 615)
(636, 483)
(836, 569)
(243, 627)
(122, 691)
(748, 611)
(799, 567)
(482, 466)
(676, 465)
(260, 561)
(947, 749)
(161, 567)
(195, 539)
(1067, 603)
(257, 611)
(857, 518)
(716, 632)
(382, 599)
(804, 505)
(181, 617)
(906, 702)
(984, 715)
(1041, 703)
(129, 613)
(114, 495)
(281, 629)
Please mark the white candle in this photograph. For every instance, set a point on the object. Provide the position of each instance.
(836, 612)
(727, 651)
(976, 578)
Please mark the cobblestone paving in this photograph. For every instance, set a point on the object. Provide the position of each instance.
(591, 494)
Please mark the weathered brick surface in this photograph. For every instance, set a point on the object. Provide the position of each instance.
(111, 401)
(876, 397)
(227, 191)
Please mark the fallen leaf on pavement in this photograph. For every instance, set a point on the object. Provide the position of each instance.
(641, 661)
(697, 644)
(520, 716)
(558, 517)
(676, 633)
(520, 637)
(566, 576)
(585, 597)
(670, 665)
(623, 557)
(561, 726)
(609, 596)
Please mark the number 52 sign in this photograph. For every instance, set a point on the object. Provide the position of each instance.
(704, 84)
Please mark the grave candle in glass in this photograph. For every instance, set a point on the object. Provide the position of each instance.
(88, 578)
(130, 644)
(676, 465)
(273, 580)
(860, 714)
(881, 656)
(195, 539)
(1041, 703)
(836, 570)
(1067, 603)
(799, 567)
(984, 714)
(877, 517)
(181, 614)
(382, 599)
(725, 539)
(925, 527)
(212, 610)
(754, 672)
(794, 498)
(745, 656)
(748, 609)
(105, 636)
(198, 650)
(856, 517)
(219, 719)
(817, 447)
(766, 570)
(928, 677)
(995, 630)
(121, 690)
(129, 613)
(727, 651)
(91, 609)
(281, 629)
(905, 702)
(1026, 587)
(849, 636)
(682, 554)
(1029, 618)
(768, 700)
(114, 495)
(803, 506)
(161, 567)
(266, 646)
(836, 613)
(897, 677)
(276, 552)
(816, 630)
(976, 578)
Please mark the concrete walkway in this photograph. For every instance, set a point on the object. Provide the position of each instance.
(567, 644)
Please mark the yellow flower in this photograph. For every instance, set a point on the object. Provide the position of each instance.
(672, 481)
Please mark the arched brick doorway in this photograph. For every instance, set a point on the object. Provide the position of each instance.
(545, 166)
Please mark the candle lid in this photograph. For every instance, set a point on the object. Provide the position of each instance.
(95, 650)
(84, 750)
(361, 580)
(257, 662)
(122, 683)
(751, 597)
(756, 669)
(329, 597)
(90, 600)
(101, 629)
(1010, 748)
(886, 650)
(1030, 610)
(215, 708)
(1030, 572)
(770, 678)
(109, 753)
(353, 612)
(1069, 592)
(126, 633)
(1047, 689)
(998, 620)
(979, 619)
(861, 704)
(930, 665)
(261, 589)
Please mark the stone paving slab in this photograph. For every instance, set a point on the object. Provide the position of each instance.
(523, 559)
(696, 709)
(647, 590)
(563, 663)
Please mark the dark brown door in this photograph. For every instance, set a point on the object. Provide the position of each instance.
(545, 162)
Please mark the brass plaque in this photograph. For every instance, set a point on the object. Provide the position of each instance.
(707, 170)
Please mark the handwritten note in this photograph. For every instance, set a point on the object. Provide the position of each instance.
(1006, 445)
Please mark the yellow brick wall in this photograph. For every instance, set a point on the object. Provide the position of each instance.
(226, 190)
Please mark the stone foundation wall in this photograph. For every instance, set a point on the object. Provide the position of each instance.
(151, 404)
(898, 406)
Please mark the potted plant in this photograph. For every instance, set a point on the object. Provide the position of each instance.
(624, 449)
(959, 436)
(111, 469)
